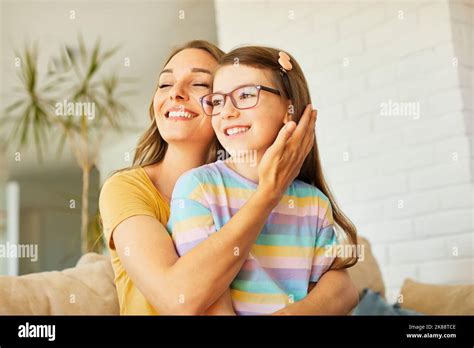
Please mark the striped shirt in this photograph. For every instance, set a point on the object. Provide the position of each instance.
(292, 250)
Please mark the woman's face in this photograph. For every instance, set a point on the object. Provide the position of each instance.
(176, 105)
(257, 127)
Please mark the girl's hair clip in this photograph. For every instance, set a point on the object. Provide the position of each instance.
(284, 61)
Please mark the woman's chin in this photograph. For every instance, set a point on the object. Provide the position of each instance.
(186, 137)
(176, 138)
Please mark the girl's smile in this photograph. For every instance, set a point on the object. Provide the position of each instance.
(235, 130)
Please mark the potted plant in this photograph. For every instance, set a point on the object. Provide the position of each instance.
(77, 98)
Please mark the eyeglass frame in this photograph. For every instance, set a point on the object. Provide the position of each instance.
(259, 88)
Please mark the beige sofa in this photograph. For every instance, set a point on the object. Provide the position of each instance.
(88, 289)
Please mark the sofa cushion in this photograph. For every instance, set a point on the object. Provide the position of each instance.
(436, 299)
(87, 289)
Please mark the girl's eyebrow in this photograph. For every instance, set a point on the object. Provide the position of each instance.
(239, 86)
(194, 70)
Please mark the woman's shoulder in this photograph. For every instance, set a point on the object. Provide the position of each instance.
(126, 177)
(128, 184)
(127, 193)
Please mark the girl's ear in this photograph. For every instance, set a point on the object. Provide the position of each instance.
(289, 112)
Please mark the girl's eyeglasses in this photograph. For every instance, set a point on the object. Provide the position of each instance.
(244, 97)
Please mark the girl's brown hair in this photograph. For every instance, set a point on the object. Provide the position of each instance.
(151, 146)
(293, 86)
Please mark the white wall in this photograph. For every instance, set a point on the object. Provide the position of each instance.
(405, 181)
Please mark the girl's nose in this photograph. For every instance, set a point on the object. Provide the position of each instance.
(229, 110)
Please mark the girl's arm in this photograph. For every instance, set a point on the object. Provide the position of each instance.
(192, 283)
(334, 294)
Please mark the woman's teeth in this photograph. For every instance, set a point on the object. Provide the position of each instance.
(180, 114)
(236, 130)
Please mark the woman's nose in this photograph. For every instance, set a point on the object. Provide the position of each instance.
(178, 92)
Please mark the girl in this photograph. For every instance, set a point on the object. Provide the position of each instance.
(134, 203)
(256, 90)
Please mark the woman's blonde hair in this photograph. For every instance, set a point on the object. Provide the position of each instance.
(151, 147)
(293, 86)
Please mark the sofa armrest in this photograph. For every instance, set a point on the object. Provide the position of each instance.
(87, 289)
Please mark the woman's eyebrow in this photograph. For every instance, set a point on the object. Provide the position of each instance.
(199, 70)
(166, 71)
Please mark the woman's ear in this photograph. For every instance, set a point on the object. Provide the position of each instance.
(290, 110)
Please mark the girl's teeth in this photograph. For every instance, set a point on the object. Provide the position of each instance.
(180, 114)
(233, 131)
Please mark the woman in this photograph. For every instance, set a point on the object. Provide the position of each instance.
(134, 204)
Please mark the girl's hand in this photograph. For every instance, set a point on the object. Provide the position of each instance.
(282, 162)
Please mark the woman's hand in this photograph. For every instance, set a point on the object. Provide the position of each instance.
(334, 294)
(282, 162)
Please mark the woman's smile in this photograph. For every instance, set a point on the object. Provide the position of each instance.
(180, 113)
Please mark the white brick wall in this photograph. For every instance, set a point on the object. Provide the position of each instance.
(408, 180)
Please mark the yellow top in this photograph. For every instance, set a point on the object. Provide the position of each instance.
(123, 195)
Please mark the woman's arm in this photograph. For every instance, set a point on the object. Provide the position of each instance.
(192, 283)
(334, 294)
(223, 306)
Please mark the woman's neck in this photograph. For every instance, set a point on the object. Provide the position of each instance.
(177, 160)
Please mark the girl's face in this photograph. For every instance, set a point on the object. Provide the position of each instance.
(178, 113)
(256, 127)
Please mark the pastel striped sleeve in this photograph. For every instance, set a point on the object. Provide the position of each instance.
(324, 251)
(190, 220)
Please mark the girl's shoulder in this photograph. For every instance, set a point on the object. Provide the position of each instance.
(302, 189)
(206, 171)
(196, 177)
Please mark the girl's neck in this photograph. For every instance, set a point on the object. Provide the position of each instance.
(177, 160)
(246, 166)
